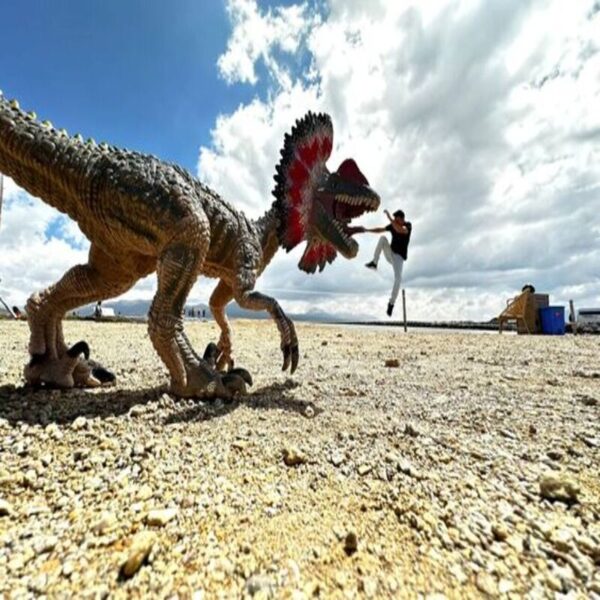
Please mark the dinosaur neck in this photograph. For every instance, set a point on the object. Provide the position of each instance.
(268, 227)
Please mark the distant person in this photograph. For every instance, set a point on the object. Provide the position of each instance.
(98, 310)
(396, 253)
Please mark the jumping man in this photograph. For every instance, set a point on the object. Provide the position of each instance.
(396, 253)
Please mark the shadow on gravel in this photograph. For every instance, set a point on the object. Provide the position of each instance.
(41, 407)
(277, 396)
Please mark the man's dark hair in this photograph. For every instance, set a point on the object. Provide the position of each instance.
(399, 213)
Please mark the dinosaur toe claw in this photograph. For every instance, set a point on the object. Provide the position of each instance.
(295, 358)
(234, 383)
(287, 355)
(245, 375)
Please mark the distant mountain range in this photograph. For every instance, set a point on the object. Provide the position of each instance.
(139, 309)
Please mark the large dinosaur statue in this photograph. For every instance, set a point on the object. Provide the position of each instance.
(144, 215)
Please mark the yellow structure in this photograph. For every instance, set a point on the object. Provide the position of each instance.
(523, 310)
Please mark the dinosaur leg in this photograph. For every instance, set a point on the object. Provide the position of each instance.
(252, 300)
(52, 363)
(219, 355)
(191, 376)
(219, 299)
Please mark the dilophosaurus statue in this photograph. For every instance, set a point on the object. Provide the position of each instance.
(143, 215)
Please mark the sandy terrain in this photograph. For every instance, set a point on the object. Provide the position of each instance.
(472, 469)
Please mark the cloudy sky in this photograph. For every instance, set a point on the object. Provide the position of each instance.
(479, 119)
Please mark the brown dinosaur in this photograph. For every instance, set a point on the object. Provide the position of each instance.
(143, 215)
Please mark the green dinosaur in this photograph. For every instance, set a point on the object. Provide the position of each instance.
(143, 215)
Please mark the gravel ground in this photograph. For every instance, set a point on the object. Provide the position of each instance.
(466, 467)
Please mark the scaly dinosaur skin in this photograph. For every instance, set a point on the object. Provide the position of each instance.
(144, 215)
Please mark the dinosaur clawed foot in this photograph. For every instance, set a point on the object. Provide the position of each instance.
(213, 355)
(291, 355)
(72, 369)
(204, 380)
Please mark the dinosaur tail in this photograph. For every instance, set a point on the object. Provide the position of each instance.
(45, 162)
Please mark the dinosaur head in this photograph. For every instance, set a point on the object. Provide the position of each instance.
(315, 204)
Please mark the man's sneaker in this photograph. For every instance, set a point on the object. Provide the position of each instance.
(390, 309)
(371, 265)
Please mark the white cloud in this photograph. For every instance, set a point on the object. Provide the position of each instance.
(261, 36)
(38, 245)
(478, 118)
(30, 260)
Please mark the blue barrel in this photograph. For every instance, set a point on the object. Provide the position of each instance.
(553, 320)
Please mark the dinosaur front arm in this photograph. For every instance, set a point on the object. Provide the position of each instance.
(246, 297)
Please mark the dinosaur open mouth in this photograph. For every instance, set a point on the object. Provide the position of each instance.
(345, 208)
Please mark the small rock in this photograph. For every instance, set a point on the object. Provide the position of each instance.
(364, 469)
(562, 539)
(259, 585)
(406, 467)
(588, 546)
(486, 584)
(30, 479)
(459, 573)
(587, 400)
(411, 430)
(46, 459)
(392, 363)
(369, 587)
(500, 532)
(337, 458)
(350, 543)
(507, 433)
(594, 587)
(557, 486)
(6, 508)
(79, 423)
(137, 410)
(106, 523)
(293, 457)
(555, 454)
(44, 544)
(68, 568)
(140, 548)
(80, 454)
(553, 582)
(160, 517)
(505, 586)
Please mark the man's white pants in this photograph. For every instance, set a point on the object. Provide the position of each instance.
(395, 260)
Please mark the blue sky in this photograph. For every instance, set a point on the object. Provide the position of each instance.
(487, 136)
(130, 72)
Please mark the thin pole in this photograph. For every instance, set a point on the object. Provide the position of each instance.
(404, 308)
(573, 317)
